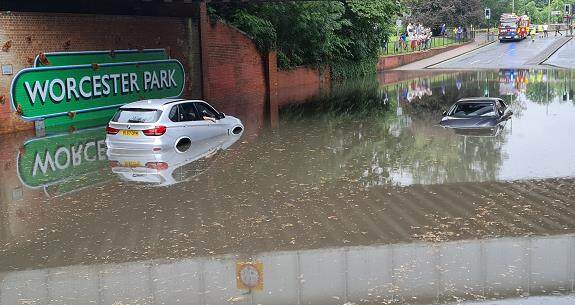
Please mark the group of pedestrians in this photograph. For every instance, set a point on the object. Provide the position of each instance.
(415, 36)
(460, 33)
(543, 31)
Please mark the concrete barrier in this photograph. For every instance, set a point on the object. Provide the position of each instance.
(420, 272)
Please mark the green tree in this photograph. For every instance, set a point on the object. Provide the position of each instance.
(451, 12)
(498, 7)
(315, 32)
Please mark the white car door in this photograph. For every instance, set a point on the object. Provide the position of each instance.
(197, 128)
(209, 114)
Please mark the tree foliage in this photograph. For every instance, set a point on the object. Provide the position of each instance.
(453, 13)
(314, 32)
(538, 10)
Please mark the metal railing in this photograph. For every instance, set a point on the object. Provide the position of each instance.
(397, 46)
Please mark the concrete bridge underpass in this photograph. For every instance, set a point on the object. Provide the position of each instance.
(182, 8)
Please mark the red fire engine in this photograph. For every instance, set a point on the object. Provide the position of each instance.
(513, 27)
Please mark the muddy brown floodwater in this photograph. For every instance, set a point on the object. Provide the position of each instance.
(356, 197)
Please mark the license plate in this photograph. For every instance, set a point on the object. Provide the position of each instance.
(132, 164)
(130, 133)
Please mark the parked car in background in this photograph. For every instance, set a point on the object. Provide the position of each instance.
(476, 113)
(163, 124)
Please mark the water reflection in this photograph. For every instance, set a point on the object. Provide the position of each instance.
(315, 199)
(415, 273)
(63, 163)
(479, 132)
(168, 167)
(402, 144)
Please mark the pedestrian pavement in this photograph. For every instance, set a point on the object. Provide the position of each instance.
(563, 58)
(480, 41)
(480, 54)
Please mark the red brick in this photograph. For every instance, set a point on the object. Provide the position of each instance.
(50, 32)
(302, 83)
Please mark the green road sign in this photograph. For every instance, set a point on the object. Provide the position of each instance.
(58, 59)
(46, 161)
(39, 93)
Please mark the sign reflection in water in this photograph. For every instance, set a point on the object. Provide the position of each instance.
(64, 162)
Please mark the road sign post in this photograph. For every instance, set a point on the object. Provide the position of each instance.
(488, 18)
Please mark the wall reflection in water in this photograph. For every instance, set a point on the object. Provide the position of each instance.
(417, 273)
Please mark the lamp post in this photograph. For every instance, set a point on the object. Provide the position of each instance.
(549, 8)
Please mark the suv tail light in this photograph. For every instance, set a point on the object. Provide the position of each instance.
(157, 165)
(112, 130)
(156, 131)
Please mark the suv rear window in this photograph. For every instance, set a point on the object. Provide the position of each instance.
(135, 115)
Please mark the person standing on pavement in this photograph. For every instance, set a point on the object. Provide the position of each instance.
(546, 30)
(558, 30)
(412, 40)
(404, 40)
(459, 33)
(540, 30)
(532, 33)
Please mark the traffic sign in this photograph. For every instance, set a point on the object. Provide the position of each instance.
(98, 57)
(250, 276)
(487, 13)
(46, 92)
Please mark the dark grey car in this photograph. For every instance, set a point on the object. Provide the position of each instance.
(476, 113)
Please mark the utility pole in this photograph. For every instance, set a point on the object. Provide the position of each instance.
(549, 8)
(513, 7)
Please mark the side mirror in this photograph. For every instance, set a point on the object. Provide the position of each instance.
(507, 114)
(444, 113)
(221, 115)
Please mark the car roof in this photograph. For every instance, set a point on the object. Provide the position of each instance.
(156, 103)
(478, 99)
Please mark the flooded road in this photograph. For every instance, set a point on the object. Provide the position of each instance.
(356, 197)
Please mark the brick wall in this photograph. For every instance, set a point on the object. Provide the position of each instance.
(32, 33)
(394, 61)
(223, 65)
(234, 72)
(238, 80)
(301, 84)
(20, 207)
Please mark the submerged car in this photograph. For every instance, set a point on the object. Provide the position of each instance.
(163, 124)
(479, 132)
(476, 113)
(168, 167)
